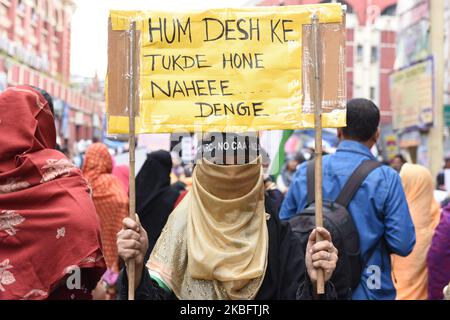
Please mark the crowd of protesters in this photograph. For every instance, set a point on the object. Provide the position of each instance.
(218, 229)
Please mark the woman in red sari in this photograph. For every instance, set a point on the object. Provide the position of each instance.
(49, 232)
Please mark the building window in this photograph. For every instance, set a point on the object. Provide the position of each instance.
(359, 53)
(34, 16)
(79, 134)
(3, 10)
(58, 19)
(390, 11)
(21, 6)
(45, 9)
(45, 28)
(374, 55)
(372, 93)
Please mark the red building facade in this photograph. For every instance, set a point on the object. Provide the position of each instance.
(371, 41)
(35, 50)
(42, 28)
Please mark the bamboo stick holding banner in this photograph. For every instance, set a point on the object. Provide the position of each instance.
(131, 265)
(317, 98)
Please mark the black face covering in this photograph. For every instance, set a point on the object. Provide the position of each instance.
(155, 198)
(229, 148)
(153, 178)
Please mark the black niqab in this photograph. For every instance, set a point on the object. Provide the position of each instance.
(155, 198)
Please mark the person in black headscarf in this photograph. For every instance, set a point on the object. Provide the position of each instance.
(155, 198)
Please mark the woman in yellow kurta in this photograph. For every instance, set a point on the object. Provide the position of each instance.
(410, 273)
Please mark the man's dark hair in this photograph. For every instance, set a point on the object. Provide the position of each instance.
(400, 157)
(363, 119)
(300, 158)
(47, 97)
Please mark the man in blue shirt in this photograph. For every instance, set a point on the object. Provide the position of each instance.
(379, 208)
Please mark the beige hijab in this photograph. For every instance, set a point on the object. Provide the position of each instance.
(410, 273)
(215, 243)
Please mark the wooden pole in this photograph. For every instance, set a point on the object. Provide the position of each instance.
(315, 55)
(131, 266)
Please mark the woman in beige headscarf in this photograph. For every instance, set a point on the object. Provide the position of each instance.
(410, 273)
(225, 241)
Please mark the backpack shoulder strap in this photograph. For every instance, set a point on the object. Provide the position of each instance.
(355, 181)
(310, 182)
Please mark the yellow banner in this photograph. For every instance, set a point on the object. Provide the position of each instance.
(223, 70)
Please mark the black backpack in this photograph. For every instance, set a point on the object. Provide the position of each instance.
(338, 221)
